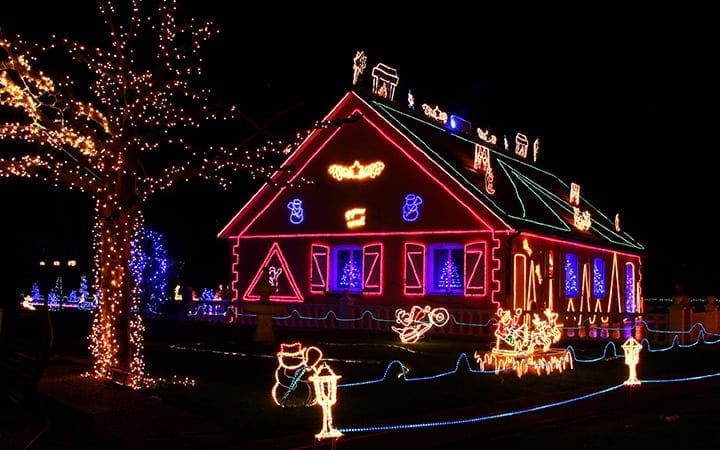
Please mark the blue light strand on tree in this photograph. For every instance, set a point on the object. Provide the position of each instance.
(35, 293)
(150, 266)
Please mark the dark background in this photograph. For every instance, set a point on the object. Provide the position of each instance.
(623, 102)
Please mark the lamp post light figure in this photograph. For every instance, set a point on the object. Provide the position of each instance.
(632, 348)
(325, 384)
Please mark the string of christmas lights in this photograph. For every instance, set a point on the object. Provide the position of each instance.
(121, 123)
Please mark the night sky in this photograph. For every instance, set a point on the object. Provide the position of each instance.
(623, 102)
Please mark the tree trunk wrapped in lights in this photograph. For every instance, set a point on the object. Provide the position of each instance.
(116, 341)
(132, 133)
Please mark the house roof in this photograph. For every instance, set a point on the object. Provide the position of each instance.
(526, 196)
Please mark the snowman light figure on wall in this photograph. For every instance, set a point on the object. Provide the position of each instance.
(297, 214)
(411, 208)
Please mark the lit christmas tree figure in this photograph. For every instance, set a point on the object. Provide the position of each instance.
(449, 276)
(350, 277)
(54, 299)
(84, 294)
(58, 287)
(85, 300)
(35, 293)
(207, 295)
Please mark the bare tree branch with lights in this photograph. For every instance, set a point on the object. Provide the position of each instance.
(126, 129)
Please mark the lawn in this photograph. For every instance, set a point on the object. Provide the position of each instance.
(235, 376)
(383, 382)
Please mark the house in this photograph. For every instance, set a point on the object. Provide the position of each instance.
(409, 205)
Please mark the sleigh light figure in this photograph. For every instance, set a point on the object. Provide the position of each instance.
(523, 346)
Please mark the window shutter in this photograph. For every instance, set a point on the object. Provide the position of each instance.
(319, 268)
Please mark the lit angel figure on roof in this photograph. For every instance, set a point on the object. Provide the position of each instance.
(525, 346)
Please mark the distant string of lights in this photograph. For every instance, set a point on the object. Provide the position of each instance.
(396, 369)
(410, 426)
(697, 327)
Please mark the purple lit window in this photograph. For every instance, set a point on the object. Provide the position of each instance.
(571, 275)
(347, 269)
(598, 278)
(629, 288)
(447, 269)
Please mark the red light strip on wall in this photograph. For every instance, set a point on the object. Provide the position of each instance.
(376, 264)
(274, 177)
(299, 171)
(274, 251)
(578, 245)
(412, 259)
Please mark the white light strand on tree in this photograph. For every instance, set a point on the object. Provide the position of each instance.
(124, 128)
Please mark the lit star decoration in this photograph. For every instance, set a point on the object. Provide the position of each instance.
(418, 321)
(632, 348)
(295, 364)
(121, 125)
(355, 218)
(356, 171)
(325, 383)
(524, 348)
(435, 113)
(359, 64)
